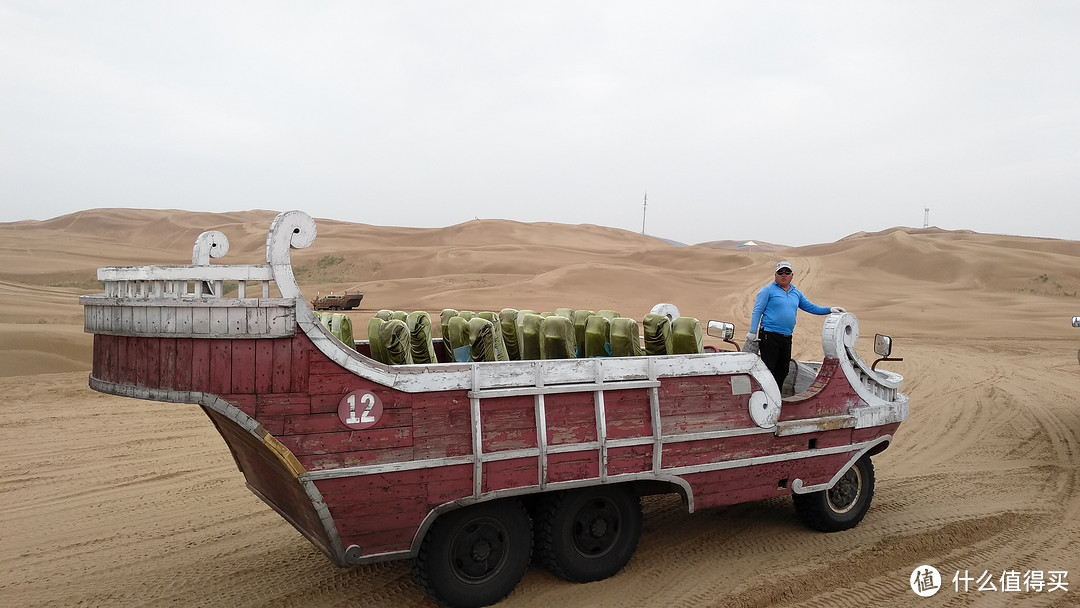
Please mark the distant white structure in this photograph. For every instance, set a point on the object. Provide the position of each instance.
(747, 244)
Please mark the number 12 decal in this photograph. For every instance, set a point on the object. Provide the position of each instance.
(360, 409)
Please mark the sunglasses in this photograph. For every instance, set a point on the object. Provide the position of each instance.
(783, 271)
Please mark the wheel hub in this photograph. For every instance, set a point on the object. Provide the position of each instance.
(846, 493)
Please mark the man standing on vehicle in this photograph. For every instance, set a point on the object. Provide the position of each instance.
(775, 309)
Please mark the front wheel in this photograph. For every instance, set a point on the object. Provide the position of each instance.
(476, 555)
(844, 505)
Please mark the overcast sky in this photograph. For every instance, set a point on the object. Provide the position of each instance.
(790, 122)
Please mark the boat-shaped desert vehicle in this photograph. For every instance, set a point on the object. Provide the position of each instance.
(521, 435)
(337, 301)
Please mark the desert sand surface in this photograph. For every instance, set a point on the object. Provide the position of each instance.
(109, 501)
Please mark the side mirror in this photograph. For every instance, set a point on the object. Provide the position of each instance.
(883, 348)
(1076, 321)
(726, 331)
(882, 345)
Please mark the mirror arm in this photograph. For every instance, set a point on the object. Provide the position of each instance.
(874, 365)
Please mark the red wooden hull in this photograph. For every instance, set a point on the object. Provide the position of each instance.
(424, 440)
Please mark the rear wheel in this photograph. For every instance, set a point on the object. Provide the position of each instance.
(588, 534)
(844, 505)
(476, 555)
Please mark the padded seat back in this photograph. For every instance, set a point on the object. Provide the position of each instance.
(484, 342)
(625, 338)
(500, 345)
(608, 314)
(384, 314)
(657, 334)
(341, 327)
(686, 336)
(565, 312)
(581, 319)
(558, 338)
(395, 339)
(421, 348)
(378, 351)
(520, 323)
(508, 327)
(597, 342)
(530, 343)
(400, 315)
(444, 325)
(458, 338)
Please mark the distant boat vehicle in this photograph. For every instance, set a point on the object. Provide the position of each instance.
(346, 301)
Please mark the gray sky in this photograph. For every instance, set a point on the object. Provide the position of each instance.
(791, 122)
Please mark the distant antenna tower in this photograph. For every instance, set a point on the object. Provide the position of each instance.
(926, 217)
(644, 205)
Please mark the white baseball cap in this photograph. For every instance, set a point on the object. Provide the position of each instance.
(784, 265)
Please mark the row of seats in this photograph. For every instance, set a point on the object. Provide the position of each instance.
(398, 338)
(518, 335)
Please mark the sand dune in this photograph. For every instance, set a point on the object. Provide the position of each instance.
(111, 501)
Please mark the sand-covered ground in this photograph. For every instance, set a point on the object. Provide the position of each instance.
(112, 501)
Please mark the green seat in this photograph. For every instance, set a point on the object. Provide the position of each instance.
(530, 344)
(657, 334)
(395, 339)
(324, 319)
(519, 322)
(421, 348)
(597, 341)
(485, 343)
(341, 327)
(581, 319)
(384, 314)
(508, 326)
(565, 312)
(608, 314)
(466, 314)
(400, 315)
(501, 353)
(625, 339)
(378, 352)
(685, 336)
(444, 325)
(458, 334)
(558, 338)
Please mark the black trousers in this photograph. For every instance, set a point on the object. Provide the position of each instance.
(775, 351)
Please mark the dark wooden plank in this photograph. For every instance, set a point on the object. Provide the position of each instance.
(167, 349)
(283, 404)
(301, 354)
(153, 363)
(318, 462)
(281, 381)
(307, 424)
(185, 364)
(200, 365)
(575, 465)
(515, 473)
(220, 366)
(264, 366)
(243, 366)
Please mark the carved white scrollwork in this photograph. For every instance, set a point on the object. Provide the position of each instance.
(290, 230)
(210, 244)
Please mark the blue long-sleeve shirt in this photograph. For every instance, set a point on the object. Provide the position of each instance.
(775, 309)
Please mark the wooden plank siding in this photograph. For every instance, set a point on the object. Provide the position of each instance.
(294, 390)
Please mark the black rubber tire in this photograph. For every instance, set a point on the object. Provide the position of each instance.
(843, 506)
(588, 534)
(476, 555)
